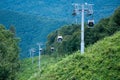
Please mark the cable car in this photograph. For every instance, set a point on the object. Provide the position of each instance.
(52, 48)
(40, 49)
(74, 13)
(59, 38)
(90, 12)
(32, 50)
(91, 23)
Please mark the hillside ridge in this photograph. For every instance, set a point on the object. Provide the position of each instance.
(101, 61)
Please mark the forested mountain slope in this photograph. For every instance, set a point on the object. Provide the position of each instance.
(71, 34)
(31, 29)
(35, 19)
(58, 9)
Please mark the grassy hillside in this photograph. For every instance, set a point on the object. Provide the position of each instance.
(101, 61)
(29, 70)
(31, 29)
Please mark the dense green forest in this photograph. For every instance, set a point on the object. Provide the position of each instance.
(71, 34)
(31, 29)
(9, 54)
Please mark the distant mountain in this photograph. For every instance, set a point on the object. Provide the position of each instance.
(31, 29)
(35, 19)
(58, 9)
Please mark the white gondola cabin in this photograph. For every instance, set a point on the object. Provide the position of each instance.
(59, 38)
(90, 12)
(52, 48)
(91, 23)
(40, 49)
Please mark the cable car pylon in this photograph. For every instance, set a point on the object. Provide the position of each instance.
(89, 10)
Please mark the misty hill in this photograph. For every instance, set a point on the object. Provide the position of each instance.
(31, 29)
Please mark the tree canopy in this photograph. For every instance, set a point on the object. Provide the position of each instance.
(71, 34)
(9, 54)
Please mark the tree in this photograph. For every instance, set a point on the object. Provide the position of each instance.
(9, 55)
(71, 34)
(116, 16)
(12, 29)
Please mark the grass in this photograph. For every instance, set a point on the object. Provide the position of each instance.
(101, 61)
(29, 70)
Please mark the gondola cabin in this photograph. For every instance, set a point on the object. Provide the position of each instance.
(59, 38)
(91, 23)
(52, 48)
(74, 13)
(40, 49)
(90, 12)
(33, 50)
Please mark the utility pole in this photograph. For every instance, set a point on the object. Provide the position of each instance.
(32, 50)
(40, 49)
(82, 30)
(84, 8)
(30, 54)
